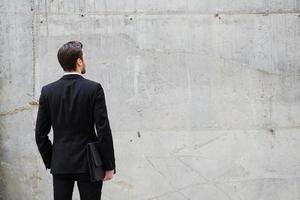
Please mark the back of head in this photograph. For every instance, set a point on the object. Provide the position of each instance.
(68, 54)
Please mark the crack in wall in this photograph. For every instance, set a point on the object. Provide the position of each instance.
(19, 109)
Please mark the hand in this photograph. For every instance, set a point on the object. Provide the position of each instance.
(108, 175)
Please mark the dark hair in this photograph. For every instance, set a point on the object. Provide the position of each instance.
(68, 54)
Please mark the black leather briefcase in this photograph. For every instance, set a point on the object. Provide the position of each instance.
(96, 167)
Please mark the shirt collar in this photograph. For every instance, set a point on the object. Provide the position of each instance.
(65, 73)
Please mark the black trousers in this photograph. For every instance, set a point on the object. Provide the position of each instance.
(63, 185)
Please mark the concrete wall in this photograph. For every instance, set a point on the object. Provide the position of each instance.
(203, 96)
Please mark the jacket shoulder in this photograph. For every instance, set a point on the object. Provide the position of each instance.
(48, 86)
(87, 83)
(91, 83)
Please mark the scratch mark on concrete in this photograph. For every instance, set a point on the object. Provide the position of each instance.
(136, 74)
(166, 81)
(198, 146)
(148, 160)
(166, 178)
(129, 40)
(189, 83)
(209, 181)
(178, 149)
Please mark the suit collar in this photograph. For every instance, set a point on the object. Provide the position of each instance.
(71, 76)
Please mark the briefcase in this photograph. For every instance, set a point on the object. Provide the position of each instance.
(95, 163)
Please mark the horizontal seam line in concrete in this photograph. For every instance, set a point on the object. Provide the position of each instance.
(221, 129)
(169, 13)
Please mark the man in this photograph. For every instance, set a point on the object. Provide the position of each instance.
(74, 107)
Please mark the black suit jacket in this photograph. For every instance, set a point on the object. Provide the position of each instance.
(74, 106)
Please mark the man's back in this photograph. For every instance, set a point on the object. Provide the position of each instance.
(72, 105)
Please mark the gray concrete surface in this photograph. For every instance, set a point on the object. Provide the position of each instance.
(203, 96)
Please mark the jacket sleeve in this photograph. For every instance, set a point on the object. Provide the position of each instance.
(42, 129)
(101, 122)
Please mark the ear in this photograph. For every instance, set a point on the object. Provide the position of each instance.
(79, 61)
